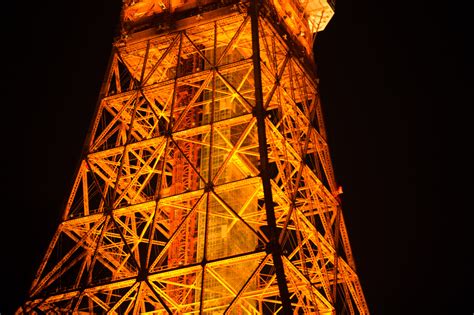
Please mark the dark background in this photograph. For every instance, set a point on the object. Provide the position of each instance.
(396, 85)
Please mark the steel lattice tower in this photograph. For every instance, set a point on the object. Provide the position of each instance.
(206, 184)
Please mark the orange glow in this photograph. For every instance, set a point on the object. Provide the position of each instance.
(167, 213)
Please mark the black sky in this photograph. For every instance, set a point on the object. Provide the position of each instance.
(396, 85)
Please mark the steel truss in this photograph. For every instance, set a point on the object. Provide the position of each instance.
(206, 185)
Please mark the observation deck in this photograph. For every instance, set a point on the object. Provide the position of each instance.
(302, 18)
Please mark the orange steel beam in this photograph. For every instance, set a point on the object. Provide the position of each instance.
(206, 184)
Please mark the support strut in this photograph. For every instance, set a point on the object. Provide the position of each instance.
(259, 112)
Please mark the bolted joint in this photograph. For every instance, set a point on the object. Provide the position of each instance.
(256, 112)
(209, 187)
(142, 275)
(108, 211)
(273, 247)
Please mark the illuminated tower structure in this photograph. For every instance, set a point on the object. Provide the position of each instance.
(206, 184)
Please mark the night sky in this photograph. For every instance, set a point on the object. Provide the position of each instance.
(396, 86)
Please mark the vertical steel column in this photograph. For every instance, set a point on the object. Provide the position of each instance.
(259, 112)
